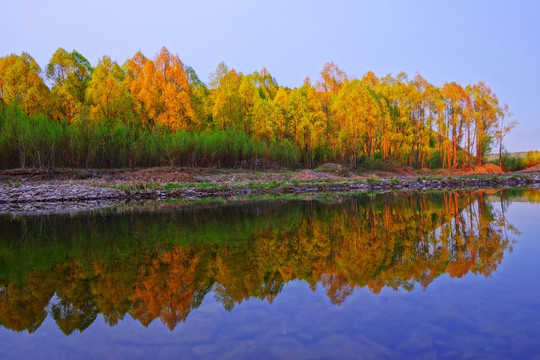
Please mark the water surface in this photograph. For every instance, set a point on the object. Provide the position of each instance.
(399, 275)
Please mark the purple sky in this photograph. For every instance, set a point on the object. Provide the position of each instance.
(462, 41)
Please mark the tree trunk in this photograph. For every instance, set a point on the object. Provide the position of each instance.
(500, 154)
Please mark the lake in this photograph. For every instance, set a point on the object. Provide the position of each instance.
(451, 274)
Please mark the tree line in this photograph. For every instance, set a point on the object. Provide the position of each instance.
(156, 111)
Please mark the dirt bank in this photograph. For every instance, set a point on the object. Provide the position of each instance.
(21, 191)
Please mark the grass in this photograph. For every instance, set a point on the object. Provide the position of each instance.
(372, 180)
(206, 186)
(426, 178)
(38, 142)
(172, 186)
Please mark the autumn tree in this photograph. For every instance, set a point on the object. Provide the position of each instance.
(21, 83)
(328, 86)
(281, 122)
(108, 94)
(485, 114)
(307, 125)
(227, 106)
(69, 74)
(266, 116)
(356, 112)
(456, 102)
(160, 91)
(137, 108)
(200, 101)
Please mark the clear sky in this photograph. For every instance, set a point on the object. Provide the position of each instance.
(462, 41)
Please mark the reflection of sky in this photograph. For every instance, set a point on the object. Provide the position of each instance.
(475, 316)
(463, 41)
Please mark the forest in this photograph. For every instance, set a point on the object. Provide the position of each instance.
(157, 112)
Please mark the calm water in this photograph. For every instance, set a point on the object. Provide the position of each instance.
(433, 275)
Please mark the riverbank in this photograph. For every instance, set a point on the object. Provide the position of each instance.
(28, 192)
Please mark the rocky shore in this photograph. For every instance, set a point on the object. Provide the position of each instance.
(38, 198)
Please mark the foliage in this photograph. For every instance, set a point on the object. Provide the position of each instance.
(532, 158)
(35, 141)
(157, 111)
(510, 163)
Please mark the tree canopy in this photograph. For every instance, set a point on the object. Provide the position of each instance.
(339, 119)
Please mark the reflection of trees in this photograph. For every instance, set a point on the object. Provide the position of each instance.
(24, 307)
(75, 307)
(394, 242)
(166, 287)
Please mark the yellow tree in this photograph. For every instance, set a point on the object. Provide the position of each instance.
(200, 96)
(257, 89)
(140, 80)
(160, 91)
(485, 112)
(306, 120)
(405, 100)
(174, 89)
(356, 112)
(69, 74)
(265, 83)
(382, 136)
(281, 124)
(20, 83)
(382, 141)
(419, 137)
(248, 97)
(108, 93)
(265, 115)
(226, 103)
(318, 120)
(433, 119)
(391, 91)
(456, 100)
(328, 86)
(298, 124)
(370, 79)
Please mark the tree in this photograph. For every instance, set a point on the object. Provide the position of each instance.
(456, 101)
(504, 129)
(69, 74)
(175, 92)
(217, 76)
(265, 115)
(396, 119)
(200, 103)
(225, 98)
(485, 112)
(248, 94)
(282, 120)
(356, 113)
(160, 91)
(21, 83)
(108, 94)
(328, 86)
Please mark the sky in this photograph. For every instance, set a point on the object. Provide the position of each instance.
(464, 41)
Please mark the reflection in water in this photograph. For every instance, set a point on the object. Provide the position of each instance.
(161, 264)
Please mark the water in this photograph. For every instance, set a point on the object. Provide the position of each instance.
(432, 275)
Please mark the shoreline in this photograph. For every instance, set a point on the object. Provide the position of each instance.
(39, 197)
